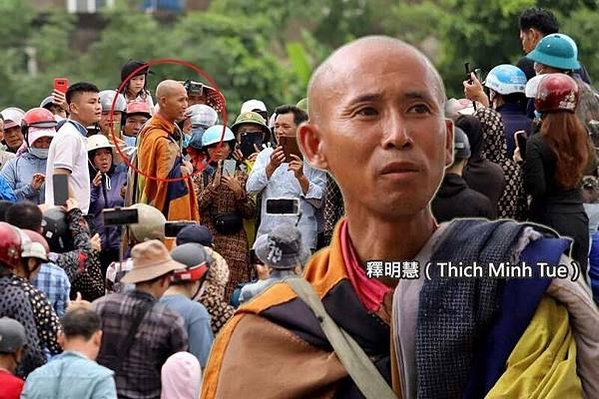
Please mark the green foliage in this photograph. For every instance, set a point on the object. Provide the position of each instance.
(582, 26)
(268, 49)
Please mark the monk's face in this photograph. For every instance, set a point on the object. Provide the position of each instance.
(174, 103)
(381, 132)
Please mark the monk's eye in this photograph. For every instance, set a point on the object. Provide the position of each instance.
(367, 111)
(419, 109)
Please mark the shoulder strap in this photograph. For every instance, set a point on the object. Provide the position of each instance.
(125, 345)
(360, 368)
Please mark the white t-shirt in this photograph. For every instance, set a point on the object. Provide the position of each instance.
(68, 151)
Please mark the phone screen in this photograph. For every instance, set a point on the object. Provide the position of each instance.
(61, 84)
(119, 217)
(247, 143)
(171, 229)
(521, 138)
(60, 185)
(229, 166)
(290, 147)
(282, 206)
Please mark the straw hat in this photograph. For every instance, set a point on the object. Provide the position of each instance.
(150, 260)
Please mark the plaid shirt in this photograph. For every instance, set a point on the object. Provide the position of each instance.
(161, 333)
(53, 282)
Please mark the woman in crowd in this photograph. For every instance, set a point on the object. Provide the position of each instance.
(26, 173)
(506, 84)
(15, 301)
(224, 203)
(136, 89)
(512, 203)
(106, 192)
(46, 320)
(74, 249)
(554, 164)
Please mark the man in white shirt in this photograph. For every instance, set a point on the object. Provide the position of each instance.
(274, 178)
(68, 154)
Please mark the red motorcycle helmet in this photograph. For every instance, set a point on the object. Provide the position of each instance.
(139, 107)
(37, 117)
(10, 246)
(556, 92)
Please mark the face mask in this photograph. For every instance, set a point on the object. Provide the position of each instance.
(41, 153)
(186, 139)
(131, 141)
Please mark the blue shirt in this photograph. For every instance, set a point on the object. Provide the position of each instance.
(197, 323)
(70, 376)
(253, 289)
(54, 283)
(18, 173)
(283, 184)
(6, 191)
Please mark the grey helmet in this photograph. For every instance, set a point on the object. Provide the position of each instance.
(12, 335)
(201, 115)
(106, 99)
(150, 224)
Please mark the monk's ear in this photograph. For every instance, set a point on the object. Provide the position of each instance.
(309, 137)
(448, 142)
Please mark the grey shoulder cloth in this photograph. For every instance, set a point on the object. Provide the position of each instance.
(453, 312)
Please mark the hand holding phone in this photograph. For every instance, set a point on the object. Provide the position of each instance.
(290, 147)
(61, 84)
(520, 137)
(229, 166)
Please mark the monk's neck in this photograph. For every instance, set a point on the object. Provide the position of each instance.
(380, 238)
(165, 117)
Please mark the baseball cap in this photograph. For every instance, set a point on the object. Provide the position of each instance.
(195, 233)
(12, 335)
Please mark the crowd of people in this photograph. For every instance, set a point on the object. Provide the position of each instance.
(147, 250)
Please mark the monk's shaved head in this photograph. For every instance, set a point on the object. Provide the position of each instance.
(377, 125)
(168, 88)
(172, 99)
(344, 66)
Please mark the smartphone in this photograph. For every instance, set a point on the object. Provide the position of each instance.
(468, 71)
(229, 166)
(282, 206)
(193, 87)
(171, 229)
(290, 147)
(120, 216)
(477, 73)
(60, 184)
(61, 84)
(520, 138)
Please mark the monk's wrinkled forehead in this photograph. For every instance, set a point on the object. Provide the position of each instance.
(372, 65)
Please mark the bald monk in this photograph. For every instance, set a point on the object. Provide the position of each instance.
(159, 155)
(386, 141)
